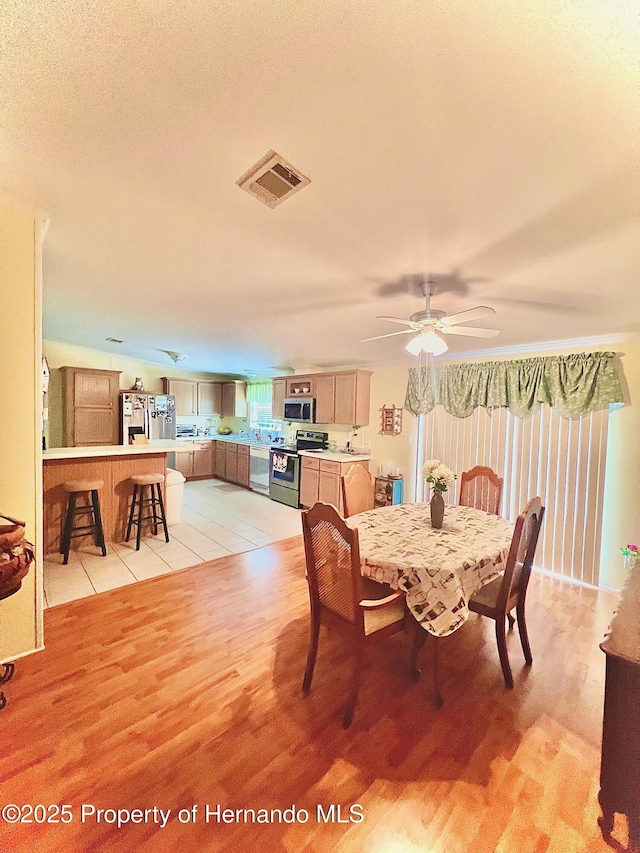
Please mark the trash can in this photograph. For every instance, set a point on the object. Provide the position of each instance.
(174, 483)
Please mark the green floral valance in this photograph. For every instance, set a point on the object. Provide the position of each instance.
(571, 384)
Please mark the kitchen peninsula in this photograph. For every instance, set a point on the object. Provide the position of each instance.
(115, 465)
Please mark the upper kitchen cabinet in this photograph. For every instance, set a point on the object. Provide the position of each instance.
(186, 393)
(343, 397)
(234, 399)
(90, 406)
(278, 393)
(209, 398)
(194, 398)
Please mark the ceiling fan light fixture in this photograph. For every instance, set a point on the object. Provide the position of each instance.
(428, 342)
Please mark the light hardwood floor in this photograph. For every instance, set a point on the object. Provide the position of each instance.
(185, 690)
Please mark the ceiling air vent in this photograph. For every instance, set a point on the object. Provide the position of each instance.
(272, 180)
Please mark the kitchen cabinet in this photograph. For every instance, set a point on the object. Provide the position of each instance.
(209, 398)
(321, 480)
(242, 473)
(220, 459)
(184, 463)
(186, 393)
(203, 465)
(303, 386)
(309, 478)
(231, 462)
(325, 398)
(234, 399)
(342, 397)
(278, 394)
(90, 407)
(196, 462)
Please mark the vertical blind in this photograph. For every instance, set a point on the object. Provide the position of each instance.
(560, 459)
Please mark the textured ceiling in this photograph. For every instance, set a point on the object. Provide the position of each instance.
(490, 145)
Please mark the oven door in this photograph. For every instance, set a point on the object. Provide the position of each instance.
(284, 476)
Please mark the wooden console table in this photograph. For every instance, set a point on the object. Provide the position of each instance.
(620, 767)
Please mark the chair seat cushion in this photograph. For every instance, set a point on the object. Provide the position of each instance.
(486, 598)
(82, 485)
(147, 479)
(374, 620)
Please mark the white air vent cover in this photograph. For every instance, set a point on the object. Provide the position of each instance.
(272, 180)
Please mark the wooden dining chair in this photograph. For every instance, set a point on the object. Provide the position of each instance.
(481, 488)
(369, 611)
(357, 490)
(499, 597)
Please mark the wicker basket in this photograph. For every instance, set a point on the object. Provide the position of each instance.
(16, 555)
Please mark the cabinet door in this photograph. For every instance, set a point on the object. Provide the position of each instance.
(184, 463)
(95, 427)
(329, 489)
(202, 462)
(242, 478)
(234, 399)
(94, 389)
(309, 479)
(345, 399)
(277, 398)
(220, 460)
(209, 398)
(325, 397)
(231, 464)
(185, 393)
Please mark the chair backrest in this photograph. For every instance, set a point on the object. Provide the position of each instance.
(332, 553)
(521, 553)
(481, 488)
(357, 491)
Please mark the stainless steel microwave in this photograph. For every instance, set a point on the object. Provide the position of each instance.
(300, 409)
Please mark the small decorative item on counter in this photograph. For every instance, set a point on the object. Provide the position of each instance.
(630, 554)
(138, 385)
(440, 477)
(16, 555)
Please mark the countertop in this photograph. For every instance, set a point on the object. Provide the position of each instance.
(336, 455)
(157, 446)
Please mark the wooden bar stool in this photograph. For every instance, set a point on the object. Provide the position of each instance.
(76, 488)
(150, 500)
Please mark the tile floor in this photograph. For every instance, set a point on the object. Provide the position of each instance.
(217, 519)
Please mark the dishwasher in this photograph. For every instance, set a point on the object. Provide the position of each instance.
(259, 469)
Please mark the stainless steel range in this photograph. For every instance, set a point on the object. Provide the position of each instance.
(284, 466)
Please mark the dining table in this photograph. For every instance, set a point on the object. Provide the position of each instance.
(438, 569)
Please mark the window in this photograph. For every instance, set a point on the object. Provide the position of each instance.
(259, 398)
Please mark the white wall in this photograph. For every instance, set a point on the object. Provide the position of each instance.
(20, 429)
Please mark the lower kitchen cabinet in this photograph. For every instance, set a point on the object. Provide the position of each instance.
(203, 465)
(242, 474)
(197, 463)
(184, 462)
(219, 462)
(231, 462)
(320, 480)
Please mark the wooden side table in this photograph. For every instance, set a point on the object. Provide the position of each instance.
(620, 763)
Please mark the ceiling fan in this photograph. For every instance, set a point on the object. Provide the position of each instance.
(431, 323)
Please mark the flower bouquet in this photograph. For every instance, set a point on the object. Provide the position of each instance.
(630, 554)
(440, 478)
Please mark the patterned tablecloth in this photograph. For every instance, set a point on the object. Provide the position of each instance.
(438, 569)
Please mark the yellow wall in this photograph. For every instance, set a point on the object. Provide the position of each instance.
(20, 386)
(61, 355)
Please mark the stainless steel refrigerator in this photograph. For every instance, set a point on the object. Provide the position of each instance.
(153, 415)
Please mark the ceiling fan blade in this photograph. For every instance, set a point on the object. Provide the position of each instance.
(395, 320)
(469, 330)
(465, 316)
(390, 335)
